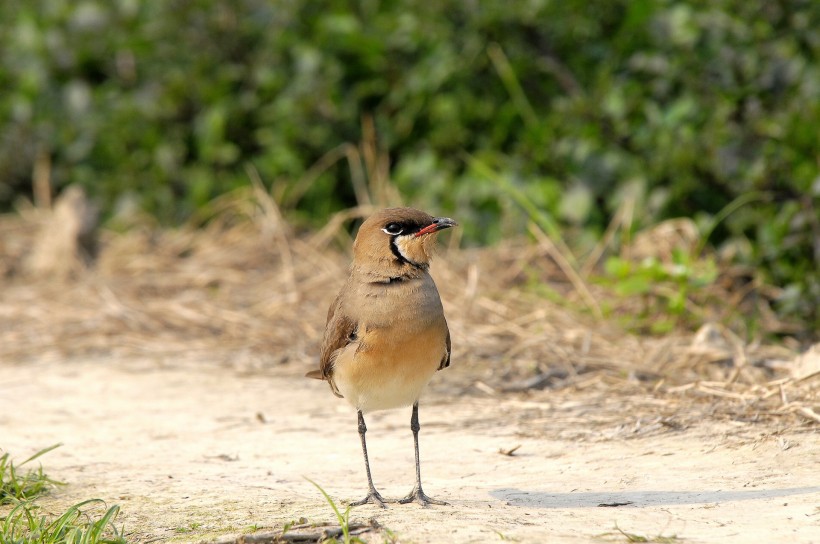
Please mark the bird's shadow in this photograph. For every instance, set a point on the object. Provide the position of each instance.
(591, 499)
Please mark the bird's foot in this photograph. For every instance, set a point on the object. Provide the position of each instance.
(372, 498)
(418, 495)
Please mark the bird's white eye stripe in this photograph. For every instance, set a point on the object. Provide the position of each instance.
(393, 229)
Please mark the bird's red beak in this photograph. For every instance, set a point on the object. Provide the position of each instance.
(439, 223)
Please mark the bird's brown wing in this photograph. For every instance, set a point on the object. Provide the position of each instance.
(445, 361)
(339, 332)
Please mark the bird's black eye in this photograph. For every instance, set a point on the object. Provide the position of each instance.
(392, 229)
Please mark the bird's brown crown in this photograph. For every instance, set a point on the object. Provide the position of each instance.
(396, 242)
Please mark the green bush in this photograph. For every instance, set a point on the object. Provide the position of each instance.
(686, 106)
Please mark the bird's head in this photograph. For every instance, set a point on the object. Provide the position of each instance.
(395, 241)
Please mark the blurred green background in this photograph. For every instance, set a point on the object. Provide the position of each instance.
(498, 112)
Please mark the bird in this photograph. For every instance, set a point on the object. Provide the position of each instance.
(386, 334)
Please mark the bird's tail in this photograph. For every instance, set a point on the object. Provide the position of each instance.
(315, 374)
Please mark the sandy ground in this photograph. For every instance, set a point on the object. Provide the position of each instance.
(203, 453)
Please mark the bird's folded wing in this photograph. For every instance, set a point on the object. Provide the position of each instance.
(339, 332)
(445, 361)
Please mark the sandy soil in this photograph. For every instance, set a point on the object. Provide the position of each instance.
(203, 453)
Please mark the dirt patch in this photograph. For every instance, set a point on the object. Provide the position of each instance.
(202, 452)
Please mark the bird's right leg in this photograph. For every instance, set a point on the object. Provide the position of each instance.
(373, 496)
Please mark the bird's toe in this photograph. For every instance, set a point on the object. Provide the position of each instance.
(372, 498)
(420, 497)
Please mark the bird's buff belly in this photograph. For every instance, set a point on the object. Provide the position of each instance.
(388, 379)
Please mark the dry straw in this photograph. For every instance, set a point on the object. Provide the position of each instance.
(245, 289)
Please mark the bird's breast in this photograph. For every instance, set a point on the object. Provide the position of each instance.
(388, 368)
(410, 305)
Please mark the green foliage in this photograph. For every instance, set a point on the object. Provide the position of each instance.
(343, 518)
(23, 525)
(689, 105)
(665, 289)
(16, 486)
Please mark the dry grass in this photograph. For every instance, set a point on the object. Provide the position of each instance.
(246, 290)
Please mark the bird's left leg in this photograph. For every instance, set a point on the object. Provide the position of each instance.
(417, 495)
(373, 496)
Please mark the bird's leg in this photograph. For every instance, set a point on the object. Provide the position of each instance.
(372, 495)
(417, 495)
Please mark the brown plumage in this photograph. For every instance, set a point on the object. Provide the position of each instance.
(386, 334)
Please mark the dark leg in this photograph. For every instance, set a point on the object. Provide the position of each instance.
(373, 495)
(417, 495)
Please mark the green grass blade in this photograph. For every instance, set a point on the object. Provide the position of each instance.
(510, 81)
(726, 211)
(343, 519)
(538, 216)
(41, 453)
(62, 525)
